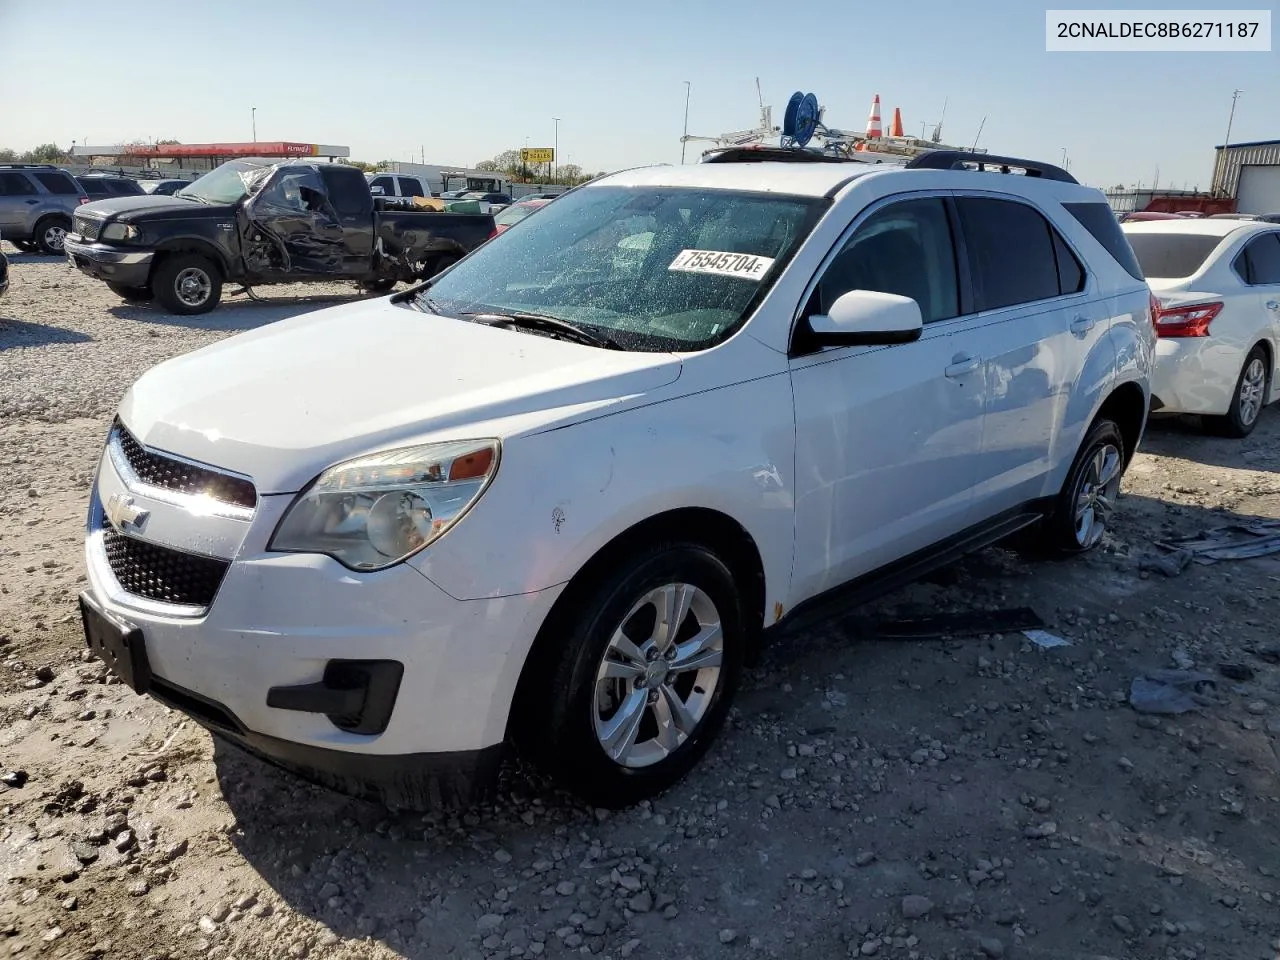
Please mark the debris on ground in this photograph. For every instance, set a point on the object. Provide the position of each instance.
(1045, 640)
(962, 624)
(1171, 691)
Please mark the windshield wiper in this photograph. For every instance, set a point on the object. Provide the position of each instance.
(190, 196)
(538, 321)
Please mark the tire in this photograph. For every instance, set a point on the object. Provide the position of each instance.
(435, 265)
(578, 710)
(1247, 400)
(187, 284)
(131, 294)
(1075, 527)
(377, 286)
(49, 234)
(26, 246)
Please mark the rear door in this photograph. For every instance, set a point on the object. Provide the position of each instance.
(1034, 325)
(1259, 267)
(18, 198)
(353, 206)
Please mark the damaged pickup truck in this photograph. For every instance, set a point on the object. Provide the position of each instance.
(257, 222)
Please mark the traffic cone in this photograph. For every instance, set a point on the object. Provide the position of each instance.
(873, 123)
(896, 129)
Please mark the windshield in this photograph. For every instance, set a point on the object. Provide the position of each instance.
(227, 184)
(654, 268)
(1172, 255)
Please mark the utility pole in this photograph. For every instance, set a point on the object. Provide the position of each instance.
(255, 123)
(688, 89)
(1226, 142)
(555, 150)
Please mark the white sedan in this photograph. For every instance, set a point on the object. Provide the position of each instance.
(1218, 285)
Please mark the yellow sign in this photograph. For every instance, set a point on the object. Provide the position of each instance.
(537, 154)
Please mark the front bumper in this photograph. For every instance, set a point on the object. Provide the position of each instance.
(281, 620)
(128, 268)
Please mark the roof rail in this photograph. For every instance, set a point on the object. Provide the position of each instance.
(27, 166)
(956, 160)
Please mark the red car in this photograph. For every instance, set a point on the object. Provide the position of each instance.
(515, 213)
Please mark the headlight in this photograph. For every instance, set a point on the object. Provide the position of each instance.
(119, 231)
(375, 511)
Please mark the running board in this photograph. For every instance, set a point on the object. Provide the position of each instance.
(842, 600)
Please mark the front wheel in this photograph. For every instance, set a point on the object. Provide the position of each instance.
(1087, 500)
(645, 675)
(50, 234)
(1247, 400)
(187, 284)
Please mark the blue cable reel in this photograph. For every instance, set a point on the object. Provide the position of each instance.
(800, 121)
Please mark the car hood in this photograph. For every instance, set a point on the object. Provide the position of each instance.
(150, 206)
(281, 403)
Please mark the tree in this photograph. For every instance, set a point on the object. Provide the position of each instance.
(8, 156)
(360, 164)
(45, 153)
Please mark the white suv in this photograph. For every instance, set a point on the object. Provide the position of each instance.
(555, 495)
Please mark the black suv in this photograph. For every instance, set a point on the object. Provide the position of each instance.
(99, 185)
(37, 201)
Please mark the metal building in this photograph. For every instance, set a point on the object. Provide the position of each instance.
(1250, 172)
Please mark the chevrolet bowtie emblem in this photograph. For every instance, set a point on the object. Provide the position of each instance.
(122, 512)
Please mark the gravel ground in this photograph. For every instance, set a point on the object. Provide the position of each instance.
(968, 797)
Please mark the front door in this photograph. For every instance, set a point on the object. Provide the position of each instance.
(1259, 268)
(887, 438)
(295, 213)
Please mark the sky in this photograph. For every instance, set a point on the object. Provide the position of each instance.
(462, 82)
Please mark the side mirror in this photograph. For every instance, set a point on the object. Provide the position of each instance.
(864, 318)
(377, 191)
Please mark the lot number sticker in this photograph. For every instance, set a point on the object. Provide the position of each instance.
(748, 266)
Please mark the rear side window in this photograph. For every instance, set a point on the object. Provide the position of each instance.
(1259, 263)
(410, 187)
(94, 188)
(1172, 255)
(58, 183)
(1011, 252)
(1070, 272)
(347, 191)
(15, 185)
(1100, 221)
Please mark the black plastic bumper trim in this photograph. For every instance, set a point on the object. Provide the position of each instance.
(356, 695)
(419, 782)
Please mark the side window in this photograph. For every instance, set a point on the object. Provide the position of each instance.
(1011, 252)
(58, 183)
(386, 183)
(410, 187)
(1100, 221)
(1262, 260)
(905, 248)
(347, 193)
(15, 185)
(1070, 272)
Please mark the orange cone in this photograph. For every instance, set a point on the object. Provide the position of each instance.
(873, 123)
(896, 129)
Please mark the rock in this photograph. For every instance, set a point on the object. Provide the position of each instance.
(595, 927)
(728, 935)
(70, 903)
(1236, 671)
(245, 902)
(84, 852)
(628, 882)
(139, 888)
(124, 840)
(642, 902)
(566, 888)
(1040, 831)
(1257, 707)
(207, 926)
(991, 946)
(45, 674)
(14, 778)
(329, 890)
(52, 934)
(489, 923)
(174, 851)
(220, 913)
(870, 948)
(914, 907)
(85, 715)
(630, 947)
(502, 856)
(864, 858)
(1125, 763)
(790, 773)
(1122, 923)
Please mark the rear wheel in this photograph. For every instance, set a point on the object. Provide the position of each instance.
(646, 668)
(1088, 498)
(377, 286)
(132, 294)
(1247, 400)
(187, 284)
(50, 234)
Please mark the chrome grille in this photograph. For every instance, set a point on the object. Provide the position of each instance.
(88, 227)
(170, 473)
(160, 573)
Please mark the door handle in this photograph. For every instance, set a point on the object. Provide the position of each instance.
(962, 364)
(31, 203)
(1273, 304)
(1082, 324)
